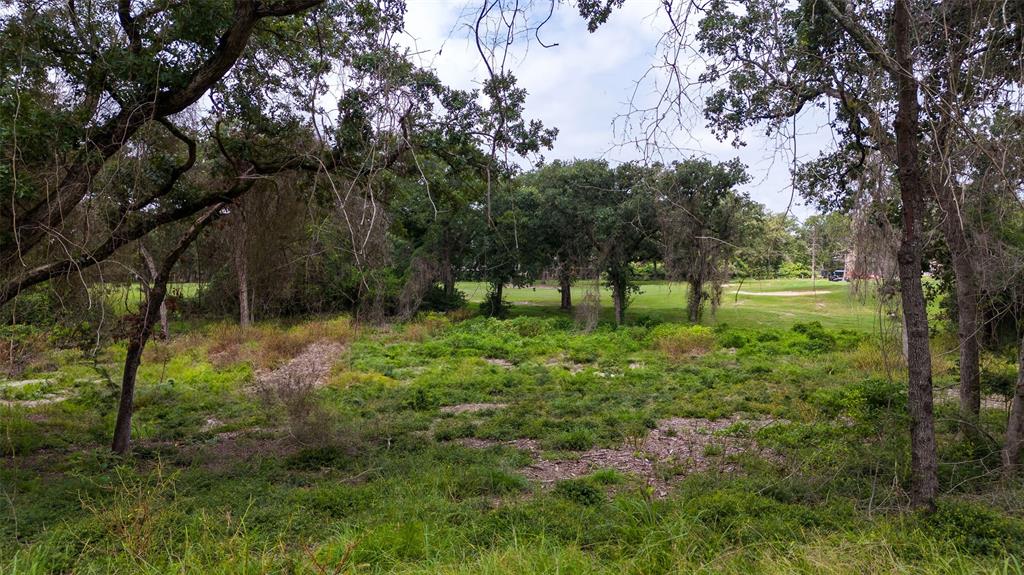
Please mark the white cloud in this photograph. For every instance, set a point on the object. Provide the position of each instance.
(584, 83)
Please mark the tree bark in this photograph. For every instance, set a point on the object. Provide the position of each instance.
(1015, 424)
(694, 300)
(924, 454)
(242, 271)
(619, 299)
(967, 327)
(144, 324)
(565, 288)
(165, 329)
(447, 271)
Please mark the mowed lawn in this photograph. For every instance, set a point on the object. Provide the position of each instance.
(837, 305)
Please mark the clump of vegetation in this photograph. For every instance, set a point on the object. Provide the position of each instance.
(680, 342)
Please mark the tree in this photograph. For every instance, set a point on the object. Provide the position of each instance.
(105, 74)
(625, 230)
(827, 238)
(564, 226)
(703, 218)
(143, 328)
(769, 60)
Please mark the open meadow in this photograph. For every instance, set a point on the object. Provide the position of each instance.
(769, 441)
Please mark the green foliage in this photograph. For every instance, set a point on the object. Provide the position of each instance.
(395, 492)
(437, 300)
(579, 491)
(794, 270)
(976, 529)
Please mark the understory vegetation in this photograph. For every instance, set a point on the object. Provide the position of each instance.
(453, 444)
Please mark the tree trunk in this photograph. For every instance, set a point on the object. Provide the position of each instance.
(923, 455)
(694, 300)
(144, 324)
(242, 270)
(619, 298)
(966, 287)
(165, 328)
(1015, 425)
(495, 298)
(565, 288)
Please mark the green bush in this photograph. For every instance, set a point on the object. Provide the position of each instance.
(437, 300)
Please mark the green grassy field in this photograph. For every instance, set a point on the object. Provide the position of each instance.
(834, 304)
(454, 445)
(125, 298)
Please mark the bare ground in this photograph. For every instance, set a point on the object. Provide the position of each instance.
(677, 447)
(472, 407)
(313, 365)
(784, 293)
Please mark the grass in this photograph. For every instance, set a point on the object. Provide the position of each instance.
(220, 483)
(838, 307)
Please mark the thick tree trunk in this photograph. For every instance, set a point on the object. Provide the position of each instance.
(144, 327)
(1015, 425)
(924, 455)
(694, 300)
(165, 328)
(242, 271)
(565, 288)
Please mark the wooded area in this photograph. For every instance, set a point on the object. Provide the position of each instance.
(255, 248)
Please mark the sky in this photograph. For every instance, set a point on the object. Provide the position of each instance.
(585, 82)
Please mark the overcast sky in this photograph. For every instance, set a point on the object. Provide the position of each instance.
(584, 83)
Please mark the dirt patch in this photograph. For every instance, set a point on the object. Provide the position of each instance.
(784, 293)
(677, 447)
(572, 366)
(989, 401)
(499, 362)
(39, 399)
(23, 383)
(472, 407)
(312, 365)
(49, 399)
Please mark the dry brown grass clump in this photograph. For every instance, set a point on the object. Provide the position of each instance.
(681, 342)
(267, 346)
(425, 327)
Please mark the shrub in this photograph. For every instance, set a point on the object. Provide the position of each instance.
(437, 300)
(864, 400)
(818, 340)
